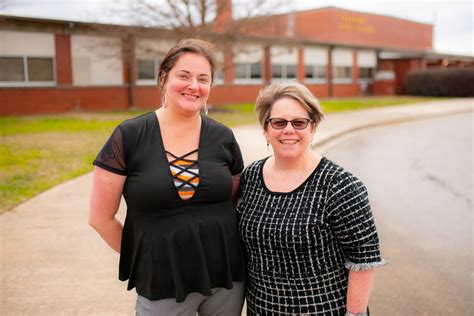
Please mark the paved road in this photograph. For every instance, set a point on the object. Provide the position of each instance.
(420, 181)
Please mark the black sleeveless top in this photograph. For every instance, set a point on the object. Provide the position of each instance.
(170, 246)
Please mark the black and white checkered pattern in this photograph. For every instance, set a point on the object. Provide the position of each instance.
(300, 244)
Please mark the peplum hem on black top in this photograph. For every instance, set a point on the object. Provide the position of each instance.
(202, 253)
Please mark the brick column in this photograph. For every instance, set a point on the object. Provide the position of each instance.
(267, 66)
(355, 67)
(300, 73)
(63, 59)
(129, 67)
(228, 64)
(224, 15)
(329, 72)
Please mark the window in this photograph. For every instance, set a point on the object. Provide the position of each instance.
(315, 72)
(342, 74)
(283, 71)
(26, 70)
(11, 69)
(366, 73)
(147, 71)
(40, 69)
(219, 76)
(248, 72)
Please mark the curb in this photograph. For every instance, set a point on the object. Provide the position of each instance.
(328, 141)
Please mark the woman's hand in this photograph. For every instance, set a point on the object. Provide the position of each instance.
(106, 193)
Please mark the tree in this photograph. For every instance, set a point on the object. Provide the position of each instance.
(175, 19)
(211, 19)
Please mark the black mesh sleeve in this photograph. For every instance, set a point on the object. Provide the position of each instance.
(112, 157)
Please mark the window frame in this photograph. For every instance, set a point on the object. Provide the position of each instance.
(367, 79)
(219, 77)
(284, 72)
(26, 82)
(348, 79)
(315, 79)
(248, 74)
(148, 82)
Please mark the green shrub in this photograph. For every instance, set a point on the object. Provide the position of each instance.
(441, 82)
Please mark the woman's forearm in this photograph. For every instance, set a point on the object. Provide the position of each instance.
(111, 232)
(358, 291)
(106, 192)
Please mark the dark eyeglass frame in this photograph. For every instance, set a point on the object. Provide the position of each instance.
(293, 123)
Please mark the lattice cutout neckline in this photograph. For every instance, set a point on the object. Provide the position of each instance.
(185, 174)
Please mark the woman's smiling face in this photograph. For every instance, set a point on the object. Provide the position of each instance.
(289, 143)
(188, 84)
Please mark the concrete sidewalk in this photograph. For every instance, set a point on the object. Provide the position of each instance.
(52, 263)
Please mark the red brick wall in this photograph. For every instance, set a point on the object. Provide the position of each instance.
(355, 67)
(385, 65)
(346, 90)
(224, 14)
(63, 59)
(15, 101)
(148, 97)
(319, 90)
(383, 87)
(231, 94)
(55, 100)
(401, 68)
(300, 73)
(355, 28)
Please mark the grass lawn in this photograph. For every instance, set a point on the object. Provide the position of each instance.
(38, 152)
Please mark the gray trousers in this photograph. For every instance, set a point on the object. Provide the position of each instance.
(222, 302)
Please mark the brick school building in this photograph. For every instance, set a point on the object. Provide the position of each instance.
(52, 66)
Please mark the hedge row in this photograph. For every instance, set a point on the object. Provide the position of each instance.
(441, 82)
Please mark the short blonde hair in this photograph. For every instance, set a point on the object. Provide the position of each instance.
(294, 90)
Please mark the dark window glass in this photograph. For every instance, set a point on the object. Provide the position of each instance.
(320, 72)
(342, 72)
(40, 69)
(219, 75)
(239, 71)
(308, 72)
(146, 69)
(277, 71)
(255, 71)
(366, 72)
(290, 71)
(11, 69)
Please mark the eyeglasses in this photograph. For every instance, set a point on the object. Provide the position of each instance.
(298, 123)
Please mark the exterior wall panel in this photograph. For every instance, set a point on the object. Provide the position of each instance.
(96, 60)
(34, 44)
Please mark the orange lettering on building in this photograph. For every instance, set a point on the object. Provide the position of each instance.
(356, 24)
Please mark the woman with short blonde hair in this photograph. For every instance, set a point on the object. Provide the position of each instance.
(305, 222)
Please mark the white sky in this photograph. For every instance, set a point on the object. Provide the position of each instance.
(452, 19)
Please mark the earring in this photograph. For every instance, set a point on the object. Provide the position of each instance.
(268, 146)
(206, 110)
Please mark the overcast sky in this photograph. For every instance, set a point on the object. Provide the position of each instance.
(452, 19)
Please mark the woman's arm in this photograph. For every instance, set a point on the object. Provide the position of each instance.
(235, 189)
(358, 291)
(106, 193)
